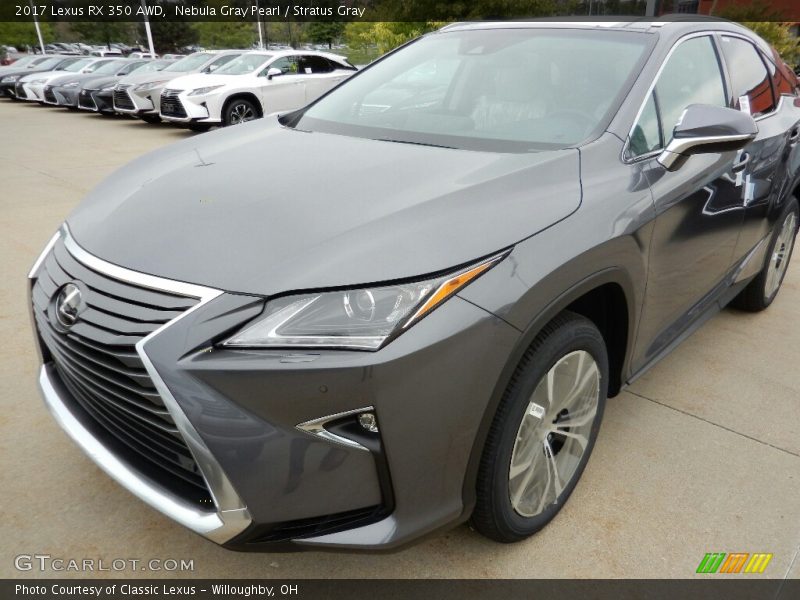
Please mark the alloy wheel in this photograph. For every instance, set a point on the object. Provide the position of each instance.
(554, 433)
(241, 113)
(780, 255)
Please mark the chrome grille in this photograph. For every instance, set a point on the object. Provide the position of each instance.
(122, 99)
(171, 106)
(85, 100)
(97, 362)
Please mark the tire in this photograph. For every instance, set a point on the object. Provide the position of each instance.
(239, 111)
(572, 348)
(151, 119)
(760, 292)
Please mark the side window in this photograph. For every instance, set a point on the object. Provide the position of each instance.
(750, 82)
(781, 83)
(311, 64)
(646, 134)
(287, 65)
(692, 75)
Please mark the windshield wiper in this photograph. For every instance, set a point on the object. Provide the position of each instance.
(415, 143)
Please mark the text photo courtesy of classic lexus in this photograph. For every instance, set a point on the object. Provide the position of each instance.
(399, 297)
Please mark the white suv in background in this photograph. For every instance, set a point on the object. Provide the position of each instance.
(254, 84)
(139, 94)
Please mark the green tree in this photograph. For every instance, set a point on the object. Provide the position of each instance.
(170, 36)
(22, 34)
(103, 32)
(325, 32)
(225, 34)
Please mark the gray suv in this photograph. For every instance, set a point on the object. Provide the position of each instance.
(405, 305)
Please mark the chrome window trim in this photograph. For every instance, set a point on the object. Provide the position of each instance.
(231, 516)
(651, 87)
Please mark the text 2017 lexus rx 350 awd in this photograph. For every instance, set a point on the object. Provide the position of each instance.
(405, 305)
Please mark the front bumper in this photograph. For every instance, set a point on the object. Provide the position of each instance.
(179, 106)
(33, 92)
(66, 96)
(273, 482)
(129, 101)
(104, 101)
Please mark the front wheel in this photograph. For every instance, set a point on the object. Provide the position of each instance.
(239, 111)
(760, 292)
(544, 430)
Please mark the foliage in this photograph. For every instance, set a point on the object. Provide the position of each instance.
(226, 34)
(170, 36)
(325, 32)
(103, 32)
(23, 33)
(766, 22)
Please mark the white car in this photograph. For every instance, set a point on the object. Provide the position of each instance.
(255, 84)
(139, 94)
(33, 84)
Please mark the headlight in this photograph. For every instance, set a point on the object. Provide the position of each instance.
(363, 319)
(108, 88)
(146, 87)
(10, 78)
(36, 81)
(205, 90)
(73, 84)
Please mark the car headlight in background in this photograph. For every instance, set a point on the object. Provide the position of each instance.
(72, 84)
(362, 319)
(36, 81)
(108, 88)
(146, 87)
(205, 90)
(10, 78)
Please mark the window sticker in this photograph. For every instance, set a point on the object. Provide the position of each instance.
(308, 70)
(744, 104)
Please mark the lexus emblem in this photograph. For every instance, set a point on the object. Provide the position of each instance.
(68, 305)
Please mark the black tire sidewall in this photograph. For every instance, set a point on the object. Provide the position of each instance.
(230, 106)
(574, 336)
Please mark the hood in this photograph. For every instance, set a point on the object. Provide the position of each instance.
(263, 209)
(198, 80)
(98, 82)
(137, 78)
(42, 75)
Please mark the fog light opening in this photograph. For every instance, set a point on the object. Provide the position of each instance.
(368, 422)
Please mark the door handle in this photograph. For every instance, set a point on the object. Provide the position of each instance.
(741, 163)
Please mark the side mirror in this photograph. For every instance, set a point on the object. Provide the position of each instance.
(273, 72)
(703, 128)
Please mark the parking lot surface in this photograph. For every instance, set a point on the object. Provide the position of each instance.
(700, 455)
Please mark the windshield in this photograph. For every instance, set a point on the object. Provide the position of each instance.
(512, 90)
(190, 63)
(152, 65)
(111, 67)
(132, 66)
(49, 63)
(25, 61)
(96, 65)
(78, 65)
(247, 63)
